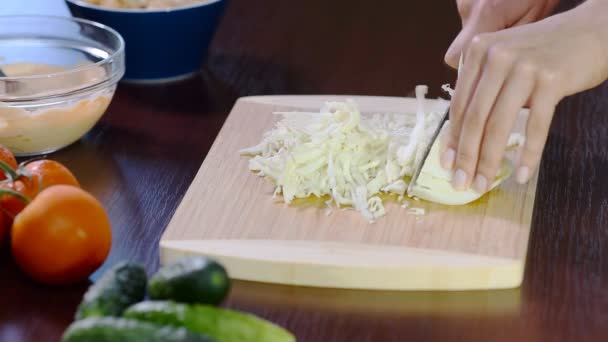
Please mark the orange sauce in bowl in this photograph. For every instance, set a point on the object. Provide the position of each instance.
(42, 128)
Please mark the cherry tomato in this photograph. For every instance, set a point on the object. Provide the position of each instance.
(62, 236)
(45, 173)
(41, 174)
(7, 156)
(12, 205)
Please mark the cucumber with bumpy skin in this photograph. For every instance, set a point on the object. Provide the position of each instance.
(191, 280)
(113, 329)
(220, 324)
(119, 287)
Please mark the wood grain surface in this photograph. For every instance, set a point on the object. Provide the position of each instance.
(229, 213)
(140, 159)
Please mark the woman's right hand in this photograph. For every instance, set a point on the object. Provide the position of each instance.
(480, 16)
(536, 64)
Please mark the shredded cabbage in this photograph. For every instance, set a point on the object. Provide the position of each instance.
(340, 153)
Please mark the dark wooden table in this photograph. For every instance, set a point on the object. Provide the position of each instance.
(141, 157)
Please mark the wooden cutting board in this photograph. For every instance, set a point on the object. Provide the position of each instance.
(229, 213)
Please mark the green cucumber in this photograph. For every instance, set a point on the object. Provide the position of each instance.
(119, 287)
(220, 324)
(191, 280)
(113, 329)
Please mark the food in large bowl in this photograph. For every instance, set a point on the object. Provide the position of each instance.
(144, 4)
(162, 44)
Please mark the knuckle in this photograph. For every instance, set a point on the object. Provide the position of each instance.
(456, 112)
(475, 118)
(488, 172)
(500, 54)
(495, 128)
(451, 135)
(466, 157)
(489, 160)
(525, 67)
(479, 44)
(453, 138)
(457, 108)
(488, 165)
(452, 132)
(547, 77)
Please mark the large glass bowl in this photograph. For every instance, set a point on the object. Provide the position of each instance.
(60, 76)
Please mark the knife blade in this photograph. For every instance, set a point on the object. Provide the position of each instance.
(434, 137)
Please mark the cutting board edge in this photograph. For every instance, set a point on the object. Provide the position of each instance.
(309, 263)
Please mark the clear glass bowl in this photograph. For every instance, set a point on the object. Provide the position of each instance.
(61, 74)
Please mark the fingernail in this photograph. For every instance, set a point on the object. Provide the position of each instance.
(523, 173)
(459, 180)
(447, 159)
(480, 185)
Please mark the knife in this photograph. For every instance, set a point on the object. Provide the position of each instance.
(444, 119)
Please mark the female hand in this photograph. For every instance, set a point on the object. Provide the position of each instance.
(539, 64)
(479, 16)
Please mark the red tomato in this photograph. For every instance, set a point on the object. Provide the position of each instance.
(62, 236)
(41, 175)
(45, 173)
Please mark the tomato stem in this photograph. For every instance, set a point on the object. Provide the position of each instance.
(22, 171)
(8, 171)
(17, 194)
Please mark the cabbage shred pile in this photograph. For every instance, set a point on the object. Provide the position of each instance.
(340, 153)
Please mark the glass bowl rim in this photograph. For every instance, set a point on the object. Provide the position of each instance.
(119, 51)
